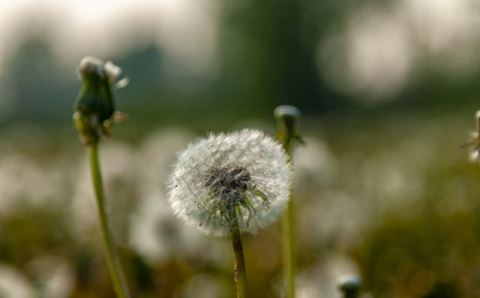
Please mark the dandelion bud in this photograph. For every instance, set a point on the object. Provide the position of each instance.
(219, 180)
(287, 118)
(350, 286)
(94, 107)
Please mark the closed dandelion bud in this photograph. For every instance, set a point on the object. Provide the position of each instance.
(94, 109)
(94, 114)
(242, 176)
(287, 118)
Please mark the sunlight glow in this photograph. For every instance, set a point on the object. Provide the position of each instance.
(186, 30)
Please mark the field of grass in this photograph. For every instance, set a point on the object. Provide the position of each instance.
(394, 201)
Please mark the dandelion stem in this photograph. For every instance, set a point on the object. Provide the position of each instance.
(239, 263)
(288, 245)
(289, 253)
(114, 266)
(287, 117)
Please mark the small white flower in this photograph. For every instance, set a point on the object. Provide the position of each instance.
(474, 142)
(245, 174)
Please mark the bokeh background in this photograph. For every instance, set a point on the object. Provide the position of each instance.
(388, 90)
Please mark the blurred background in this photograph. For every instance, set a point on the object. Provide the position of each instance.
(388, 90)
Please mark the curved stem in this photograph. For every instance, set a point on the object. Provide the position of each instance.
(114, 266)
(239, 263)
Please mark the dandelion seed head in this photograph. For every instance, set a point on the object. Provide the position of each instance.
(244, 172)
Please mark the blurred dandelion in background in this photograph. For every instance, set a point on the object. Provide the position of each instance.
(14, 284)
(119, 184)
(54, 276)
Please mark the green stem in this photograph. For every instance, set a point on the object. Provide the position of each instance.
(239, 263)
(114, 266)
(288, 235)
(289, 250)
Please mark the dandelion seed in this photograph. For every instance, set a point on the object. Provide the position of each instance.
(242, 176)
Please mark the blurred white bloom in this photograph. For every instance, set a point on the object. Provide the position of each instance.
(203, 285)
(321, 280)
(245, 171)
(35, 173)
(119, 173)
(374, 54)
(314, 166)
(157, 155)
(332, 216)
(157, 235)
(14, 284)
(54, 275)
(474, 142)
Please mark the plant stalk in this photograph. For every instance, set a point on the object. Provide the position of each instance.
(288, 236)
(239, 263)
(287, 119)
(114, 265)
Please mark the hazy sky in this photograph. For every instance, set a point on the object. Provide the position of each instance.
(185, 29)
(375, 52)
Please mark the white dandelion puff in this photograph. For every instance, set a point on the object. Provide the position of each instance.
(242, 176)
